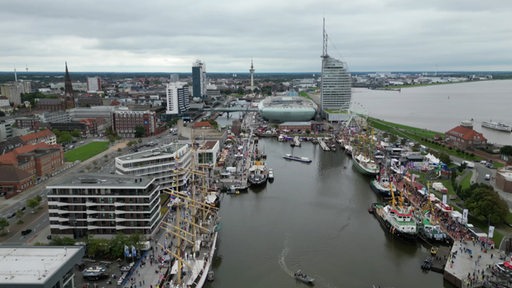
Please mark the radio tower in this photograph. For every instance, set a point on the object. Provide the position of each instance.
(324, 50)
(252, 77)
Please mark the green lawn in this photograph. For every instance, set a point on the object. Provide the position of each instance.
(86, 151)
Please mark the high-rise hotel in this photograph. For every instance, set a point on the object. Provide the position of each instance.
(335, 88)
(198, 81)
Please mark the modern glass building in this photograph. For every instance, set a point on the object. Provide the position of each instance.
(335, 91)
(198, 80)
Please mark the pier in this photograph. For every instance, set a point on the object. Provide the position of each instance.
(323, 145)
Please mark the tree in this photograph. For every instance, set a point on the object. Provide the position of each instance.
(64, 137)
(140, 131)
(3, 224)
(445, 158)
(485, 204)
(62, 241)
(506, 150)
(32, 203)
(19, 215)
(76, 133)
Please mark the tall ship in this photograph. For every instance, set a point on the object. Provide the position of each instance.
(499, 126)
(193, 230)
(396, 219)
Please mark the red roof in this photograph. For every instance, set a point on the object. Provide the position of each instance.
(202, 124)
(10, 157)
(466, 133)
(36, 135)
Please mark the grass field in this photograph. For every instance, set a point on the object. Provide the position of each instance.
(86, 151)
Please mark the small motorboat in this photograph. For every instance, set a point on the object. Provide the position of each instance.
(301, 276)
(210, 276)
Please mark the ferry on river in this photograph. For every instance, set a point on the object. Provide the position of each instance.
(497, 126)
(297, 158)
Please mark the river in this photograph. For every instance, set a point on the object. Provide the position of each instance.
(313, 217)
(442, 107)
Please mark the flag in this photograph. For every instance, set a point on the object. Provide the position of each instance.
(134, 251)
(491, 232)
(126, 251)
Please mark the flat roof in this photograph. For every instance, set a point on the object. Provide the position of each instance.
(208, 145)
(165, 150)
(102, 181)
(34, 264)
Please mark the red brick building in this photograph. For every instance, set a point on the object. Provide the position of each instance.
(124, 122)
(465, 137)
(38, 160)
(14, 180)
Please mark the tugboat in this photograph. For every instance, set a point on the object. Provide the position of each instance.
(258, 174)
(301, 276)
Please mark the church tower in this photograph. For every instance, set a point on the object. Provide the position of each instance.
(68, 90)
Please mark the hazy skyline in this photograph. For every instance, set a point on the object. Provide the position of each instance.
(281, 36)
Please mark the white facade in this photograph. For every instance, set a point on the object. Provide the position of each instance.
(335, 88)
(103, 205)
(172, 99)
(167, 165)
(93, 84)
(6, 130)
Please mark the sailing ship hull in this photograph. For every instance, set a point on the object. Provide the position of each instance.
(362, 169)
(389, 228)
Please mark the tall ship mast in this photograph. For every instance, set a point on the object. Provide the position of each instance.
(192, 228)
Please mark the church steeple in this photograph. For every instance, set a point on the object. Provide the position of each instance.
(68, 90)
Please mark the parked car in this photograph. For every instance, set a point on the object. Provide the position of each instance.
(26, 232)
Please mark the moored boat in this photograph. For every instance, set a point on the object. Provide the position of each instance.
(381, 186)
(270, 175)
(297, 158)
(301, 276)
(258, 174)
(497, 126)
(364, 164)
(397, 221)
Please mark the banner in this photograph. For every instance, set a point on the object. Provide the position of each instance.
(445, 199)
(491, 232)
(465, 216)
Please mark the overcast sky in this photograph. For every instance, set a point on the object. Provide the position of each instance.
(280, 35)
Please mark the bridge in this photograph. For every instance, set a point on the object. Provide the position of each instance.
(231, 109)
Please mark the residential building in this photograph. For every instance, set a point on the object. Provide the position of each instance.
(464, 137)
(39, 266)
(6, 129)
(93, 84)
(97, 205)
(168, 164)
(51, 104)
(32, 123)
(59, 116)
(198, 80)
(14, 180)
(43, 136)
(125, 122)
(39, 159)
(177, 98)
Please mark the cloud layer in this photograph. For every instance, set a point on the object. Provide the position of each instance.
(281, 36)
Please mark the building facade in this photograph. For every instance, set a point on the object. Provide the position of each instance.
(43, 136)
(335, 87)
(207, 154)
(93, 84)
(178, 95)
(125, 122)
(464, 137)
(504, 179)
(6, 129)
(168, 164)
(198, 80)
(103, 206)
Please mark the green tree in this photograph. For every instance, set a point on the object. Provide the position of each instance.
(64, 137)
(140, 131)
(62, 241)
(506, 150)
(19, 215)
(76, 133)
(485, 204)
(32, 203)
(4, 223)
(97, 247)
(445, 158)
(116, 245)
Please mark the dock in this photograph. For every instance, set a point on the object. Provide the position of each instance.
(323, 145)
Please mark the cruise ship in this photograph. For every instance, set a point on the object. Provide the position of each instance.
(497, 126)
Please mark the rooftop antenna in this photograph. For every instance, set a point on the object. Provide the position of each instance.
(324, 50)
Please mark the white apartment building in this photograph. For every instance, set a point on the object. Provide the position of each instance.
(168, 164)
(103, 205)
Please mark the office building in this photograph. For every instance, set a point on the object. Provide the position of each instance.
(125, 122)
(198, 81)
(168, 164)
(177, 98)
(103, 205)
(93, 84)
